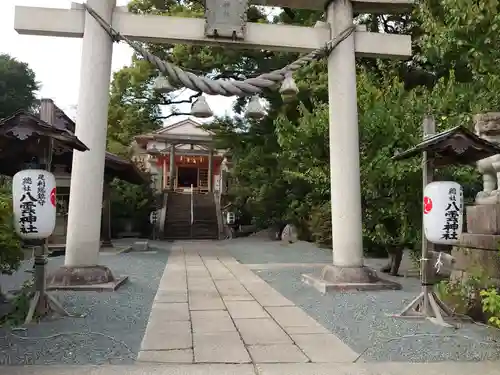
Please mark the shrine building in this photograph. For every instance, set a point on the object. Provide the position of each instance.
(181, 156)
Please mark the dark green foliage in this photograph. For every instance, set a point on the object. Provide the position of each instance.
(17, 86)
(10, 245)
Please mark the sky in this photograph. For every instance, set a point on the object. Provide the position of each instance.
(56, 61)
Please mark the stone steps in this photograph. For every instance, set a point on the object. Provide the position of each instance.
(178, 221)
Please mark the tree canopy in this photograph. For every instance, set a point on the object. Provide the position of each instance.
(17, 86)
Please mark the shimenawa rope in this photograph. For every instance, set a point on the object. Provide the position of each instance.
(251, 86)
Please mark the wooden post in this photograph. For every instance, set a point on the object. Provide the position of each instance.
(210, 170)
(172, 167)
(106, 217)
(427, 304)
(429, 129)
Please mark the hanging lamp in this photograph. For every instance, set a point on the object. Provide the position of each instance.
(255, 109)
(201, 109)
(162, 84)
(288, 87)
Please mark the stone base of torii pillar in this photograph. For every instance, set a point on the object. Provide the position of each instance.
(335, 278)
(84, 278)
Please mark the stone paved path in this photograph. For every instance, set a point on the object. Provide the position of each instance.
(213, 316)
(211, 309)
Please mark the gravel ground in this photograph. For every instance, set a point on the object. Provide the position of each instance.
(111, 331)
(360, 319)
(257, 251)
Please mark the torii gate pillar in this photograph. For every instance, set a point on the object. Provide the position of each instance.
(347, 270)
(87, 173)
(344, 142)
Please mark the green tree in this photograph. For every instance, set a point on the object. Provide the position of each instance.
(464, 31)
(10, 246)
(17, 91)
(390, 120)
(17, 86)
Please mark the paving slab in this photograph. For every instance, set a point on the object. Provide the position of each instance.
(246, 310)
(171, 287)
(166, 356)
(211, 321)
(291, 316)
(171, 297)
(261, 332)
(309, 329)
(232, 290)
(200, 283)
(324, 348)
(381, 368)
(203, 292)
(217, 270)
(205, 303)
(170, 312)
(220, 347)
(276, 353)
(271, 298)
(177, 369)
(166, 335)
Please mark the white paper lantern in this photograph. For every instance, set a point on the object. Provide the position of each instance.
(230, 218)
(153, 217)
(34, 203)
(443, 212)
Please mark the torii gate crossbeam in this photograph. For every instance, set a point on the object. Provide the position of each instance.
(88, 168)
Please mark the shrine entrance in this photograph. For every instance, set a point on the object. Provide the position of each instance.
(337, 40)
(187, 176)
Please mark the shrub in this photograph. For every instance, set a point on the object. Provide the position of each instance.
(10, 245)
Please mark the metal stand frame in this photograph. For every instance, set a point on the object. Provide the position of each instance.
(42, 303)
(427, 304)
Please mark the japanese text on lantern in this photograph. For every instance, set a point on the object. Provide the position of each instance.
(41, 190)
(452, 211)
(27, 219)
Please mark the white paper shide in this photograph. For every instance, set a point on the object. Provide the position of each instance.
(443, 212)
(34, 203)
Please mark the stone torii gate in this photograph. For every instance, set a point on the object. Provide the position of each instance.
(82, 246)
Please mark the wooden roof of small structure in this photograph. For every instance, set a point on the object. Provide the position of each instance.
(457, 145)
(21, 132)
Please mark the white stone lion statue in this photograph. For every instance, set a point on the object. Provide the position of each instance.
(487, 126)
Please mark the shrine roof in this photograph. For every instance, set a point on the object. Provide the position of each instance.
(125, 169)
(22, 125)
(12, 125)
(457, 145)
(174, 138)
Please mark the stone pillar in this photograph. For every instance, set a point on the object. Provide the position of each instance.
(106, 217)
(344, 143)
(87, 174)
(478, 250)
(172, 167)
(210, 170)
(347, 270)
